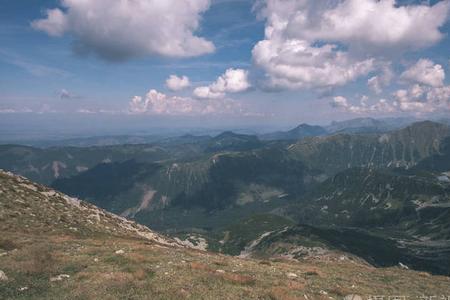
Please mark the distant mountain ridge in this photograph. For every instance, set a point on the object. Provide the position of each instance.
(400, 148)
(369, 125)
(299, 132)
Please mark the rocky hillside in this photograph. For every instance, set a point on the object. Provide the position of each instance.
(31, 208)
(56, 247)
(216, 181)
(46, 165)
(399, 148)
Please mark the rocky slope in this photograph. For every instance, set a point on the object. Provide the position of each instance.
(214, 182)
(46, 165)
(400, 148)
(56, 247)
(29, 207)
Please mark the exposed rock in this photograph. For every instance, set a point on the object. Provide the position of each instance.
(402, 266)
(353, 297)
(194, 242)
(291, 275)
(3, 276)
(59, 277)
(120, 251)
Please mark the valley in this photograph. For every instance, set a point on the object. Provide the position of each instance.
(278, 196)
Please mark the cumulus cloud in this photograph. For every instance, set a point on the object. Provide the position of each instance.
(340, 102)
(415, 99)
(232, 81)
(55, 24)
(419, 99)
(295, 64)
(423, 99)
(425, 72)
(157, 103)
(364, 23)
(175, 83)
(320, 44)
(378, 82)
(381, 106)
(118, 30)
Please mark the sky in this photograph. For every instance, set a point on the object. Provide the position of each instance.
(210, 63)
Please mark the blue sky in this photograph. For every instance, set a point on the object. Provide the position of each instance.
(245, 61)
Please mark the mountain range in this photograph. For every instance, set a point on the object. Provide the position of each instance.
(293, 193)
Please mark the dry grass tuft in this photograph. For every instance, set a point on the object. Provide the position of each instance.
(237, 278)
(40, 259)
(313, 272)
(281, 293)
(339, 291)
(296, 285)
(8, 245)
(201, 267)
(143, 274)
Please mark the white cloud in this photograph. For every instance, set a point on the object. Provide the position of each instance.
(305, 40)
(426, 72)
(423, 98)
(118, 30)
(363, 23)
(55, 24)
(157, 103)
(376, 83)
(416, 99)
(232, 81)
(14, 111)
(86, 111)
(175, 83)
(340, 102)
(406, 101)
(382, 106)
(295, 64)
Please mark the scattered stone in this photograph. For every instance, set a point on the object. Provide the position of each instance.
(59, 277)
(402, 266)
(23, 289)
(291, 275)
(96, 259)
(120, 251)
(220, 271)
(322, 292)
(353, 297)
(3, 276)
